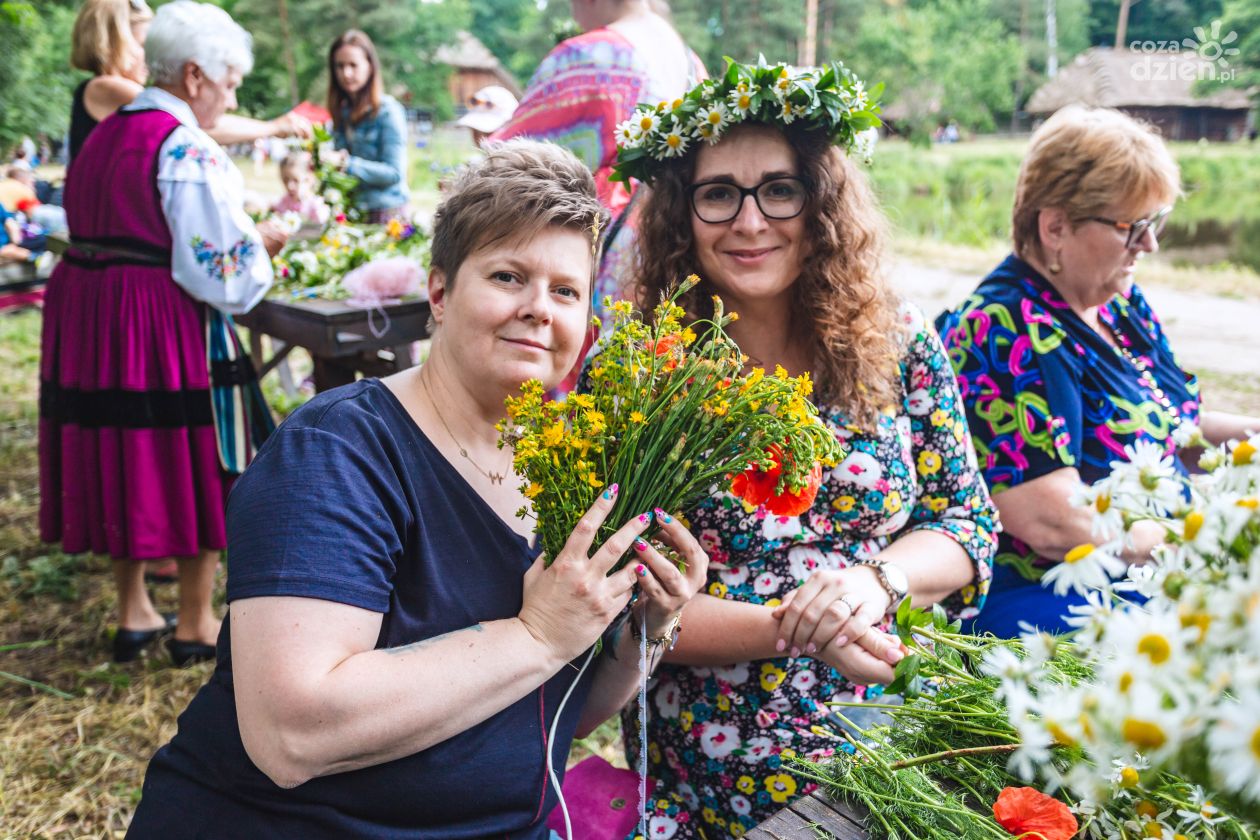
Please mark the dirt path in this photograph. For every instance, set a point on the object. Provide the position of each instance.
(1209, 333)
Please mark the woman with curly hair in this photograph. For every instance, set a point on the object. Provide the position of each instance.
(782, 225)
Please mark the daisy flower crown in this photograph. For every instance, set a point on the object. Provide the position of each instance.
(828, 98)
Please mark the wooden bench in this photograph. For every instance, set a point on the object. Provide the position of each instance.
(813, 817)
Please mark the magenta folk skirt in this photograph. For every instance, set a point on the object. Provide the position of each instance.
(128, 464)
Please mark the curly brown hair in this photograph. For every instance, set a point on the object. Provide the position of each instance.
(842, 297)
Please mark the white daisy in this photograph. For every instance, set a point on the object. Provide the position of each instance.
(1202, 811)
(648, 122)
(1234, 745)
(673, 143)
(629, 133)
(787, 113)
(715, 116)
(741, 98)
(1084, 568)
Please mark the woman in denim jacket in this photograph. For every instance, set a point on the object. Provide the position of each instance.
(369, 127)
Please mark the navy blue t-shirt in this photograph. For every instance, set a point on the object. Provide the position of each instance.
(349, 502)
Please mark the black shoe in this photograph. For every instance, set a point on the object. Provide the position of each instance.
(129, 643)
(186, 653)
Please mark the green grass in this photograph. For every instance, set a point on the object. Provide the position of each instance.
(962, 194)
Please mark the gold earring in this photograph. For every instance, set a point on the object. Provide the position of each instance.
(1054, 267)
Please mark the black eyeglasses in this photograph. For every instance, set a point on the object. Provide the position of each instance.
(716, 202)
(1137, 229)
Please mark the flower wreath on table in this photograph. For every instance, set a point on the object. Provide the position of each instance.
(829, 98)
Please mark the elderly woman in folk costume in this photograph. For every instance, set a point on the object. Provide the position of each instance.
(148, 405)
(751, 189)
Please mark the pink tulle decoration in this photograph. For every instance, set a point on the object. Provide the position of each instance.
(385, 281)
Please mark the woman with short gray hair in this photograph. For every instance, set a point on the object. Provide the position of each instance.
(148, 404)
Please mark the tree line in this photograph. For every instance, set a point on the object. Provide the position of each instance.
(974, 62)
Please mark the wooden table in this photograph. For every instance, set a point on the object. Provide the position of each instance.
(812, 817)
(343, 340)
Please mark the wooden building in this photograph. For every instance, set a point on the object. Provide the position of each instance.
(473, 67)
(1180, 92)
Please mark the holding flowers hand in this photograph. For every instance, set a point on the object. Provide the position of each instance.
(571, 600)
(665, 587)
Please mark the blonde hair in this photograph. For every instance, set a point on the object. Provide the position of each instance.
(102, 34)
(1084, 160)
(842, 298)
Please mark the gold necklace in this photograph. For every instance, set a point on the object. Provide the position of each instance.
(494, 477)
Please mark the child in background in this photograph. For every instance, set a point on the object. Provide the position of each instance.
(299, 189)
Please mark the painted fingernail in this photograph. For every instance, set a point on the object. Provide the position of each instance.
(640, 570)
(841, 641)
(614, 489)
(645, 517)
(640, 545)
(811, 648)
(795, 652)
(663, 516)
(608, 494)
(781, 646)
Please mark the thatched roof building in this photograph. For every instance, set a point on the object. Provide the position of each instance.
(1160, 87)
(473, 67)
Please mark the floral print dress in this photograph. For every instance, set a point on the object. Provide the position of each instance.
(718, 738)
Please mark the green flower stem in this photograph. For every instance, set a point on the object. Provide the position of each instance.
(946, 755)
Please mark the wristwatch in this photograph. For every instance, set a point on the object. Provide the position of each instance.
(893, 579)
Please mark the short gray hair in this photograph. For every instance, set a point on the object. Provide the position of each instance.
(206, 35)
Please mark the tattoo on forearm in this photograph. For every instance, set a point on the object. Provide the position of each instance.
(394, 651)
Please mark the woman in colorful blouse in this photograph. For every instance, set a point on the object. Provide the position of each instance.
(1062, 363)
(147, 402)
(783, 226)
(588, 84)
(369, 127)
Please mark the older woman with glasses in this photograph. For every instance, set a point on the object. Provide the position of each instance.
(780, 223)
(1062, 363)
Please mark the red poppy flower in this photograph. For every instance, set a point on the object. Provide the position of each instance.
(756, 486)
(663, 346)
(1027, 812)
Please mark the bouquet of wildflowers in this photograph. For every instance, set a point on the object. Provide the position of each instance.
(668, 416)
(316, 268)
(1176, 685)
(953, 759)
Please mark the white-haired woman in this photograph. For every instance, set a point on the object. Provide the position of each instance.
(147, 404)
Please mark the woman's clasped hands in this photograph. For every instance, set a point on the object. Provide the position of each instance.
(569, 604)
(833, 616)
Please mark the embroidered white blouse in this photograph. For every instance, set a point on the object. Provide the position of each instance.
(217, 253)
